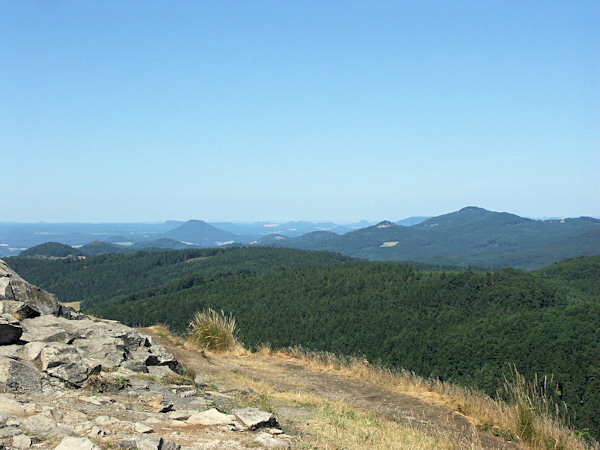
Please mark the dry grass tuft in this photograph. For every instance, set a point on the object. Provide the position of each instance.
(211, 330)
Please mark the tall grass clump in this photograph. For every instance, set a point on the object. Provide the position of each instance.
(212, 330)
(537, 419)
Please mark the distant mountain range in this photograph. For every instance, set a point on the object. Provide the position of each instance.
(470, 236)
(16, 237)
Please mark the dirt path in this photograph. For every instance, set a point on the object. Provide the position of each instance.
(290, 374)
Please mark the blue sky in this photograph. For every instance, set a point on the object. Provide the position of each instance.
(155, 110)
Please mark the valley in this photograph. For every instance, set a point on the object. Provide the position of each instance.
(468, 326)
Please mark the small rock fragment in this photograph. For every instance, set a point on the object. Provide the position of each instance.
(145, 442)
(200, 381)
(142, 428)
(180, 414)
(97, 432)
(21, 441)
(186, 394)
(211, 417)
(268, 441)
(72, 443)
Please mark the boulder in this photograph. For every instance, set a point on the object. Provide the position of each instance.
(253, 418)
(13, 287)
(16, 376)
(18, 310)
(67, 363)
(10, 329)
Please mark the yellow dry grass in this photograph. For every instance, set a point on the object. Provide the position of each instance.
(339, 424)
(527, 417)
(75, 305)
(342, 425)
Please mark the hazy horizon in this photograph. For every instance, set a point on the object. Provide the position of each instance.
(331, 111)
(280, 221)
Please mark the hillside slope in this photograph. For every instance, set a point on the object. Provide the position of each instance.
(464, 327)
(101, 277)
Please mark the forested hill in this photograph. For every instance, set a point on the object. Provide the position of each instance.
(99, 278)
(471, 235)
(465, 326)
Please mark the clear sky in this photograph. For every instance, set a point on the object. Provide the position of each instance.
(316, 110)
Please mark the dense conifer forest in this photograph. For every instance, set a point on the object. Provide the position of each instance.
(462, 326)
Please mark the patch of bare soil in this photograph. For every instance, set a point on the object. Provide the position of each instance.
(289, 374)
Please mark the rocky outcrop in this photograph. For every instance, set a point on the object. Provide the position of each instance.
(13, 287)
(68, 380)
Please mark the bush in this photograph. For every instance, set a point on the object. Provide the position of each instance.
(211, 330)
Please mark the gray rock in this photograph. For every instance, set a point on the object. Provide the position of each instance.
(199, 381)
(10, 329)
(45, 329)
(135, 365)
(13, 351)
(31, 351)
(9, 405)
(21, 441)
(67, 363)
(142, 428)
(16, 376)
(253, 418)
(8, 432)
(18, 310)
(190, 393)
(107, 351)
(6, 292)
(145, 442)
(13, 287)
(41, 424)
(76, 443)
(268, 441)
(211, 417)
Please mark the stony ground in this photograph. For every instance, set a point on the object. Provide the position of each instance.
(69, 381)
(126, 410)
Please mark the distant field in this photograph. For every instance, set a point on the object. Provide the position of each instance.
(75, 305)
